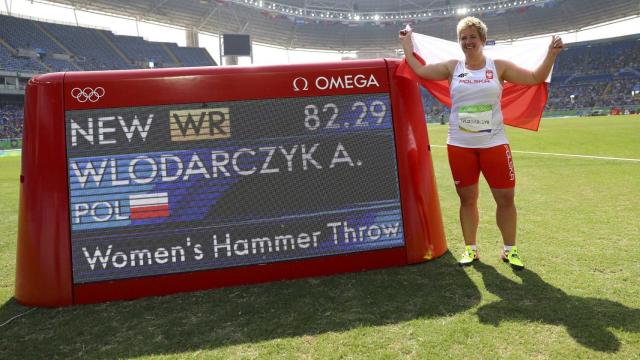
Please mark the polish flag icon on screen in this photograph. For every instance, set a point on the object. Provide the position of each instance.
(147, 206)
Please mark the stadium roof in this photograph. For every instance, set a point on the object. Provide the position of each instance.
(364, 25)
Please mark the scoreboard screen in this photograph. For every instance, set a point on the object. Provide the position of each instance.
(165, 189)
(149, 182)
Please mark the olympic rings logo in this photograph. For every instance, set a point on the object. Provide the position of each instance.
(87, 94)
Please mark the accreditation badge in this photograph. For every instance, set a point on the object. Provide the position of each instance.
(475, 118)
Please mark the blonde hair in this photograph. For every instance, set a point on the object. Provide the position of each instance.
(473, 22)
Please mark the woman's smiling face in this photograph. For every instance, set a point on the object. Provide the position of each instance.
(470, 41)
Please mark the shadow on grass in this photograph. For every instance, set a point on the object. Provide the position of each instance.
(216, 318)
(587, 320)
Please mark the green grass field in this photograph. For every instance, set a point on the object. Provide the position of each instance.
(579, 233)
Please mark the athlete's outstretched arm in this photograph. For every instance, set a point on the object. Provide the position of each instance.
(437, 71)
(517, 75)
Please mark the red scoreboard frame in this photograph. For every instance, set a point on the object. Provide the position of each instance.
(44, 275)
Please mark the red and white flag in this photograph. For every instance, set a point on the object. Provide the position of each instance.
(147, 206)
(522, 105)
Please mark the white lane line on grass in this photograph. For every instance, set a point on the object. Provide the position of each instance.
(566, 155)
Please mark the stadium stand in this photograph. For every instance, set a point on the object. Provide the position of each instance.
(141, 52)
(28, 45)
(27, 40)
(11, 121)
(589, 77)
(99, 56)
(34, 47)
(25, 34)
(190, 56)
(9, 62)
(596, 74)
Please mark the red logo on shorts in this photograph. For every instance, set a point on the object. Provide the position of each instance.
(512, 173)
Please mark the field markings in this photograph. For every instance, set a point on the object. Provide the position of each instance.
(565, 155)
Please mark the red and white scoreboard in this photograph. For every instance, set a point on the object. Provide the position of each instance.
(150, 182)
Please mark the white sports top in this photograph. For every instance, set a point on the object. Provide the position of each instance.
(476, 115)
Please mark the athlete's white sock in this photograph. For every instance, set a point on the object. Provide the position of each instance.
(507, 248)
(474, 247)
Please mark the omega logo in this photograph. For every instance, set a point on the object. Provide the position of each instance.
(336, 82)
(297, 82)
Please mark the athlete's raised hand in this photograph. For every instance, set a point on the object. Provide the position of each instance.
(405, 39)
(556, 45)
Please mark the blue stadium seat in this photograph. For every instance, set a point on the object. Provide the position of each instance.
(99, 56)
(87, 49)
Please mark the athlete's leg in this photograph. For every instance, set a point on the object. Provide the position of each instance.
(506, 214)
(469, 212)
(506, 217)
(465, 169)
(497, 167)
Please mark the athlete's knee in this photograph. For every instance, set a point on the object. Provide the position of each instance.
(468, 202)
(505, 198)
(468, 196)
(505, 204)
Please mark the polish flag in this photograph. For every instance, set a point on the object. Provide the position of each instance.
(147, 206)
(522, 105)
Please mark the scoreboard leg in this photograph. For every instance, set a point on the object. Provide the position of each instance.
(43, 264)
